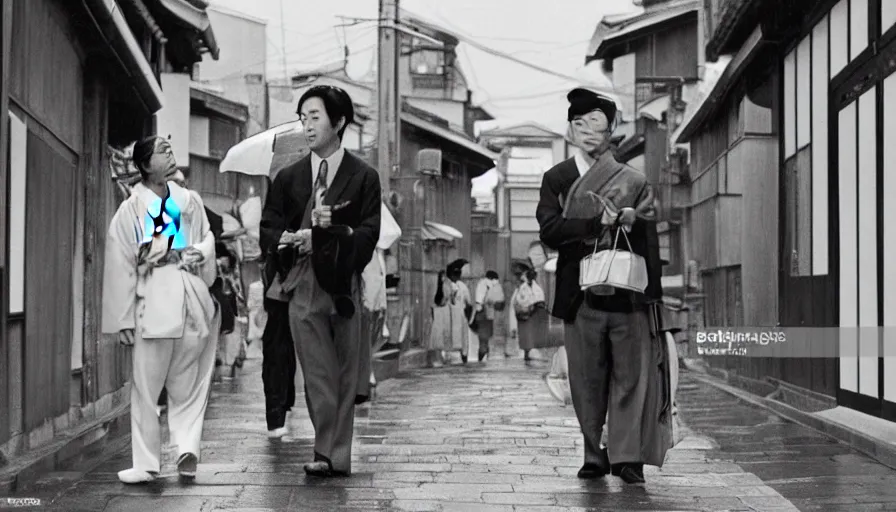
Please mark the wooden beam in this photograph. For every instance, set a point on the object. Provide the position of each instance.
(5, 52)
(94, 168)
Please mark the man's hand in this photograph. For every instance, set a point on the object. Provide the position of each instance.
(303, 241)
(627, 217)
(287, 238)
(126, 337)
(323, 216)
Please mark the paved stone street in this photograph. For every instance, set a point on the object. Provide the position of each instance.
(485, 438)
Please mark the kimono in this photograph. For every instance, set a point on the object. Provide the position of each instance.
(440, 332)
(461, 302)
(532, 329)
(148, 287)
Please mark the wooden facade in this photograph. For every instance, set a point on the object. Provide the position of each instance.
(659, 58)
(443, 199)
(835, 103)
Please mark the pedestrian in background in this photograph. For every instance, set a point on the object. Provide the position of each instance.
(528, 317)
(461, 307)
(489, 300)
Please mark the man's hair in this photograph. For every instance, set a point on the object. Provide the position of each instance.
(491, 274)
(337, 103)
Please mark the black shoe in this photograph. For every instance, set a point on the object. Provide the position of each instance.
(591, 471)
(632, 473)
(482, 356)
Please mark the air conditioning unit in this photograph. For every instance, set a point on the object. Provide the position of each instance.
(429, 162)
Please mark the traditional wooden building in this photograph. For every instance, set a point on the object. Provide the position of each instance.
(815, 81)
(434, 209)
(655, 63)
(78, 77)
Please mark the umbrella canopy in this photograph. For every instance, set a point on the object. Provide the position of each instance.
(268, 152)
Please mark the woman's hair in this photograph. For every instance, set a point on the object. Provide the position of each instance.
(143, 151)
(440, 294)
(531, 275)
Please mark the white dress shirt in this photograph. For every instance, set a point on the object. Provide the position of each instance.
(333, 163)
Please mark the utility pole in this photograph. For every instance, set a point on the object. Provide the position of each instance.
(388, 124)
(283, 43)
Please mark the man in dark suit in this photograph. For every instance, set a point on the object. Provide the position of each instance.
(322, 217)
(612, 352)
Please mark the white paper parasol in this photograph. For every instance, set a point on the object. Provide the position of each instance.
(266, 153)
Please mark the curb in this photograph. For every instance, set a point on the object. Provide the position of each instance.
(881, 451)
(112, 430)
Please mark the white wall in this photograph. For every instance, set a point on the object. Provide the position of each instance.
(174, 117)
(199, 135)
(243, 44)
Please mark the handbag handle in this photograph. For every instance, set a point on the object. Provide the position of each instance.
(609, 261)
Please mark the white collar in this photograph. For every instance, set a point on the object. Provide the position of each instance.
(583, 162)
(333, 163)
(178, 194)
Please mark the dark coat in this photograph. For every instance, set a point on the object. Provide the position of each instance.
(567, 237)
(338, 256)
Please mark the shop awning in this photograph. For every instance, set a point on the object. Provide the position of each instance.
(436, 231)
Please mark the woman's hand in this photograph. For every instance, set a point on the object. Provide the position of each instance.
(126, 337)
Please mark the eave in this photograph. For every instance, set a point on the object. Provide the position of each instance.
(187, 16)
(219, 105)
(116, 31)
(609, 39)
(719, 91)
(477, 153)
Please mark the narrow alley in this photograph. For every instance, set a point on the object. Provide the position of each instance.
(483, 438)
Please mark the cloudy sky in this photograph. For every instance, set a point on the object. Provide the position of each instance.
(550, 33)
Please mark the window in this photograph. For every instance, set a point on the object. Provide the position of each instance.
(426, 60)
(805, 172)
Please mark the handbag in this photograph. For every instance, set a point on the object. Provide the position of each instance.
(614, 268)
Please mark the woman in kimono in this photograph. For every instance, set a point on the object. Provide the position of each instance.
(159, 264)
(489, 300)
(440, 333)
(528, 318)
(461, 310)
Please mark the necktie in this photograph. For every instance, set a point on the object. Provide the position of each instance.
(322, 182)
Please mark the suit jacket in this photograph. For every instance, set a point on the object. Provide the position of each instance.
(355, 196)
(567, 237)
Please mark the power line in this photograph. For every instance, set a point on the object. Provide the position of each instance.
(491, 51)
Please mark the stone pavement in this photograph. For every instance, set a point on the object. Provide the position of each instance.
(485, 437)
